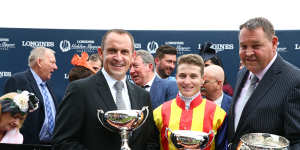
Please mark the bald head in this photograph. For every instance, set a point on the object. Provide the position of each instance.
(215, 72)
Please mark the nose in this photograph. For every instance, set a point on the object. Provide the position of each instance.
(16, 122)
(55, 67)
(249, 52)
(131, 70)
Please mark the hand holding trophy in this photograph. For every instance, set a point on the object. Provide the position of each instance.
(123, 121)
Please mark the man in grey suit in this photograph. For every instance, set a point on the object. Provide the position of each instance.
(142, 73)
(274, 105)
(78, 127)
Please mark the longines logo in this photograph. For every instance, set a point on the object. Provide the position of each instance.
(297, 46)
(34, 44)
(152, 46)
(65, 45)
(220, 47)
(5, 45)
(5, 74)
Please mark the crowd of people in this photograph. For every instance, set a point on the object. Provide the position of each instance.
(266, 98)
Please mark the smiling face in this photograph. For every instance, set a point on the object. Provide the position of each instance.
(117, 54)
(166, 65)
(256, 50)
(140, 73)
(9, 122)
(189, 79)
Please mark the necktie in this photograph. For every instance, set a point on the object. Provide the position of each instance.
(119, 98)
(145, 86)
(48, 109)
(249, 92)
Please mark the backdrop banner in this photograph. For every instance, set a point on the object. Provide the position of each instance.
(16, 44)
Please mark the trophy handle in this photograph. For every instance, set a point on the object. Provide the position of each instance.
(213, 133)
(100, 114)
(143, 109)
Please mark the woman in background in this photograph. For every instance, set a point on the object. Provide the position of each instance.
(14, 109)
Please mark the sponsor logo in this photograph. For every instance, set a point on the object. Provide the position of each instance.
(78, 45)
(65, 45)
(281, 49)
(152, 46)
(179, 45)
(5, 74)
(66, 76)
(297, 46)
(5, 45)
(35, 44)
(220, 47)
(137, 45)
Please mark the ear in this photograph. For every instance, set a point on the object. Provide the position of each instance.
(156, 60)
(100, 53)
(274, 43)
(38, 61)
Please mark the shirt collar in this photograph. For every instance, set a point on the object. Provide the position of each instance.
(36, 77)
(218, 101)
(110, 80)
(150, 82)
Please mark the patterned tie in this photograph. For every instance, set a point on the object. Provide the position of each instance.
(119, 98)
(250, 90)
(48, 109)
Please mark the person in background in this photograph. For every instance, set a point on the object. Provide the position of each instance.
(14, 108)
(142, 74)
(213, 86)
(165, 61)
(189, 111)
(38, 126)
(267, 95)
(107, 90)
(81, 67)
(95, 62)
(210, 58)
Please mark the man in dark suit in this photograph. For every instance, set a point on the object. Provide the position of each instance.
(78, 127)
(142, 74)
(213, 86)
(36, 128)
(274, 105)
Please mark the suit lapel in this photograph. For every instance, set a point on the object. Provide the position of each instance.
(104, 91)
(262, 89)
(242, 76)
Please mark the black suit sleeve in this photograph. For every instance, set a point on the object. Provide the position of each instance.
(69, 121)
(292, 118)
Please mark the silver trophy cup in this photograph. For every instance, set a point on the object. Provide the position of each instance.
(263, 141)
(123, 121)
(186, 139)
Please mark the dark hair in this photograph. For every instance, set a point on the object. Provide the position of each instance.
(119, 31)
(165, 49)
(258, 22)
(79, 72)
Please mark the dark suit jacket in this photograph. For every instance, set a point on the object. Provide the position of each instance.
(78, 127)
(274, 106)
(34, 121)
(162, 90)
(226, 102)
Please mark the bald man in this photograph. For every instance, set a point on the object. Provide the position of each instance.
(213, 86)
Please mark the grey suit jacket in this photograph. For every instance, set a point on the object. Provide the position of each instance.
(274, 106)
(78, 127)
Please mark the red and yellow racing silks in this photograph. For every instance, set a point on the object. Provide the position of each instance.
(202, 116)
